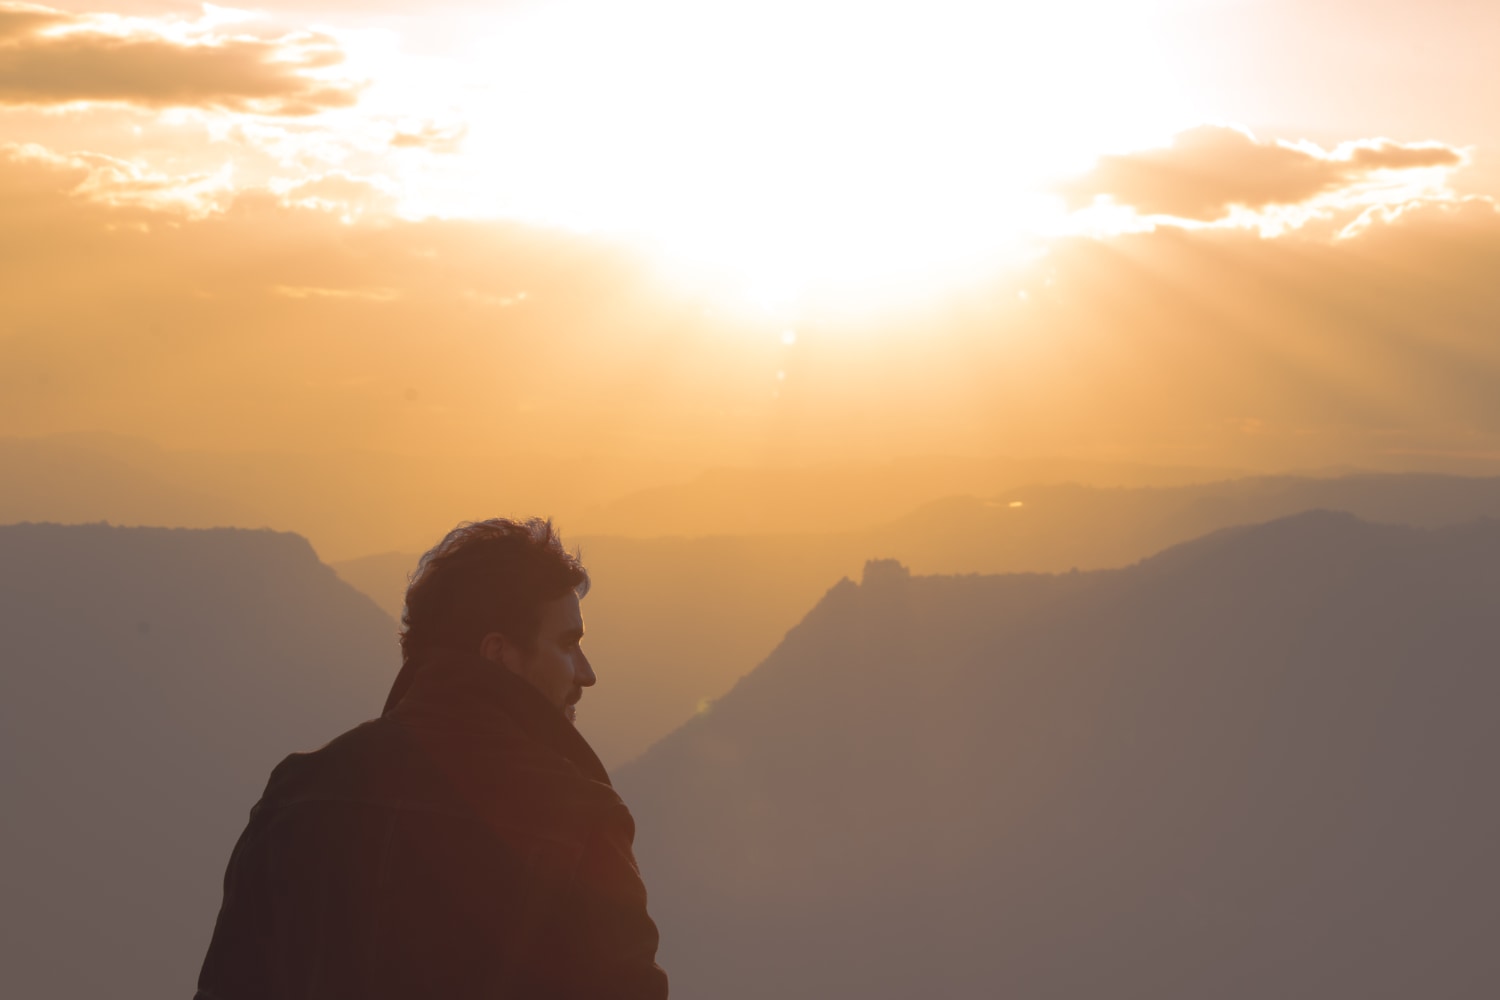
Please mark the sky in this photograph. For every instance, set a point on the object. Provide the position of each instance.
(361, 269)
(1231, 233)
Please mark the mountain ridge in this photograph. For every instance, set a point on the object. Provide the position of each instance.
(1158, 781)
(153, 677)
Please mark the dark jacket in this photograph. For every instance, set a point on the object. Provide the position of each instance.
(465, 844)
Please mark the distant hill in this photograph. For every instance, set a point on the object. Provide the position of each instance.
(673, 622)
(847, 497)
(354, 502)
(345, 502)
(90, 478)
(1050, 528)
(1257, 765)
(151, 678)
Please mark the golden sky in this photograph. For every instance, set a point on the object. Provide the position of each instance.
(1249, 233)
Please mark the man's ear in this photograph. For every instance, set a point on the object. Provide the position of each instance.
(496, 648)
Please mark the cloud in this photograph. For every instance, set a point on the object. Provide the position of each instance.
(271, 320)
(340, 192)
(1386, 155)
(354, 294)
(115, 182)
(1210, 170)
(431, 136)
(18, 20)
(50, 57)
(274, 324)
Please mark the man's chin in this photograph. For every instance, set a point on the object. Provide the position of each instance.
(570, 712)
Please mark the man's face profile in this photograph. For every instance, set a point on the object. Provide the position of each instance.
(555, 665)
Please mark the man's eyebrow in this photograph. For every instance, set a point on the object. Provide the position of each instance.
(573, 633)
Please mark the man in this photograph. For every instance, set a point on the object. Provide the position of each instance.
(465, 844)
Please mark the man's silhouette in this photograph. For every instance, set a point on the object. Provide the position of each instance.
(465, 844)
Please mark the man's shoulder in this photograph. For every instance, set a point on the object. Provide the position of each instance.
(350, 766)
(496, 777)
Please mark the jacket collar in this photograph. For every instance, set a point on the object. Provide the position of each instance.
(464, 689)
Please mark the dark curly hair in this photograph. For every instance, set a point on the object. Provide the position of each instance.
(486, 576)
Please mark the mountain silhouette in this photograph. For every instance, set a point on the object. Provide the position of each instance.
(1258, 764)
(152, 678)
(675, 621)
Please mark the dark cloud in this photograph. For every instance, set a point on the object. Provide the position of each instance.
(40, 65)
(18, 21)
(1211, 169)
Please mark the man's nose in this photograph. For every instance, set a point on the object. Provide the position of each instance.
(585, 677)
